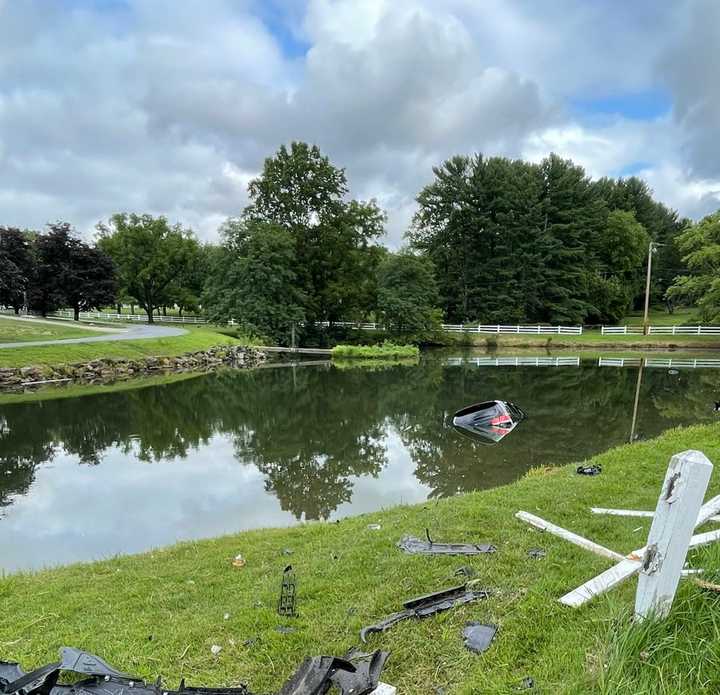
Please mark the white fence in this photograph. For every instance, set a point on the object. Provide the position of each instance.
(138, 318)
(661, 330)
(514, 361)
(518, 330)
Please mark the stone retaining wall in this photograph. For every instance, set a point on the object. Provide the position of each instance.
(109, 370)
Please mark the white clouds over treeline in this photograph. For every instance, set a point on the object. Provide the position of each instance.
(170, 107)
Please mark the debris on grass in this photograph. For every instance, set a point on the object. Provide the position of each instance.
(425, 606)
(478, 636)
(417, 546)
(238, 561)
(589, 470)
(288, 587)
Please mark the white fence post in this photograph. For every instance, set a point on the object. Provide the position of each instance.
(672, 528)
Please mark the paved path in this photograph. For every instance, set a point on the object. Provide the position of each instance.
(130, 333)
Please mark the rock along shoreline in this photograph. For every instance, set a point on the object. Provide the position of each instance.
(107, 370)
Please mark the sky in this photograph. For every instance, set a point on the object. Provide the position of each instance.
(171, 106)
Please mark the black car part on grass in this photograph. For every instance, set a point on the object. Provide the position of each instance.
(424, 606)
(288, 591)
(417, 546)
(589, 470)
(315, 676)
(488, 422)
(478, 637)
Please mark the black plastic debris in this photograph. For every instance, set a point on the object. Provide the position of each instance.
(488, 422)
(478, 637)
(716, 407)
(288, 588)
(417, 546)
(589, 470)
(527, 683)
(315, 676)
(425, 606)
(536, 553)
(366, 676)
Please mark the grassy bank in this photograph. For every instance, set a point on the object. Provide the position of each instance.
(384, 351)
(589, 340)
(19, 331)
(159, 613)
(196, 338)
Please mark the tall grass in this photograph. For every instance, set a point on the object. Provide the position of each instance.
(386, 350)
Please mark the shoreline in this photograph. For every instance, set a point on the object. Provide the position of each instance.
(350, 575)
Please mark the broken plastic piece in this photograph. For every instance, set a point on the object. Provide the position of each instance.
(488, 422)
(424, 606)
(315, 676)
(286, 604)
(366, 676)
(536, 553)
(416, 546)
(478, 636)
(238, 561)
(589, 470)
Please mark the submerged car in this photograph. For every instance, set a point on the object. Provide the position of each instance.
(488, 422)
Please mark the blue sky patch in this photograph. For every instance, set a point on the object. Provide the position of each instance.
(638, 106)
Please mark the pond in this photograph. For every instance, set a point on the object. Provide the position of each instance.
(89, 477)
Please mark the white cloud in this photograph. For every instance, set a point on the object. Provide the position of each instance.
(170, 108)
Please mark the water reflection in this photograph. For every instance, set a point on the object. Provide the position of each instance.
(89, 477)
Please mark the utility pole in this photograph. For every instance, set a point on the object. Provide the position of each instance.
(651, 248)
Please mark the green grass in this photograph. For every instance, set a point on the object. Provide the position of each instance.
(196, 338)
(386, 350)
(159, 613)
(19, 330)
(658, 316)
(590, 339)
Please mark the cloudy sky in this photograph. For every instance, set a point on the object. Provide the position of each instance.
(170, 106)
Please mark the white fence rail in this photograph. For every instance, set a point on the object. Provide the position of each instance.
(514, 361)
(661, 330)
(518, 330)
(137, 318)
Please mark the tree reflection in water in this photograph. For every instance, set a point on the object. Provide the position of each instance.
(312, 430)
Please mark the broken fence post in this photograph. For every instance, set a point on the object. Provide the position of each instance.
(672, 528)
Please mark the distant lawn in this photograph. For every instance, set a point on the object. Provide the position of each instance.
(658, 316)
(194, 340)
(21, 330)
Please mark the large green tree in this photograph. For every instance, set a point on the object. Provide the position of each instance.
(152, 257)
(407, 293)
(300, 191)
(252, 280)
(699, 245)
(16, 267)
(69, 272)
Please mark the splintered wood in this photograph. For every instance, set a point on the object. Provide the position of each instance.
(660, 562)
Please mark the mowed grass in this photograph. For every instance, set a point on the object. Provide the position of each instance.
(19, 330)
(658, 316)
(195, 339)
(590, 339)
(159, 613)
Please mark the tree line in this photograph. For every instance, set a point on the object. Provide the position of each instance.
(493, 240)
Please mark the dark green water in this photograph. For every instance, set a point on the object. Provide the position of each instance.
(84, 478)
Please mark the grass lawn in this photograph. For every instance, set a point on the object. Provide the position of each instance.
(159, 613)
(19, 330)
(196, 338)
(590, 339)
(658, 316)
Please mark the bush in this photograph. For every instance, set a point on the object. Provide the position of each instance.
(387, 350)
